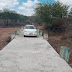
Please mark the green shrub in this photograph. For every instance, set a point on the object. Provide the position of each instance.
(9, 39)
(58, 25)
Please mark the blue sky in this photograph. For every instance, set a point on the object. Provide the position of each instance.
(26, 7)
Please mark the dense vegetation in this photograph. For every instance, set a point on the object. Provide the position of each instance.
(54, 15)
(10, 18)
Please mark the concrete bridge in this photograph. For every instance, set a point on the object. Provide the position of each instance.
(31, 54)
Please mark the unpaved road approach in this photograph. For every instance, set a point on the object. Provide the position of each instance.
(31, 54)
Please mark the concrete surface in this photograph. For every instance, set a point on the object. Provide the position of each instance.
(27, 54)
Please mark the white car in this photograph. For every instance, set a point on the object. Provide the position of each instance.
(30, 30)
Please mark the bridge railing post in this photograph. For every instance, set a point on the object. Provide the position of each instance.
(40, 32)
(65, 53)
(13, 35)
(45, 36)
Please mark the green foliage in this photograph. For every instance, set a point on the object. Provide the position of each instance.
(8, 40)
(58, 25)
(48, 12)
(35, 19)
(7, 14)
(59, 10)
(70, 14)
(43, 11)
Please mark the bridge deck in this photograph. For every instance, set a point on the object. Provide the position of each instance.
(31, 55)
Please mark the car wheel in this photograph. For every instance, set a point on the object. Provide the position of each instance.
(24, 36)
(35, 36)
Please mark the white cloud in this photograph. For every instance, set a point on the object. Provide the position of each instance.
(30, 3)
(28, 7)
(8, 3)
(21, 8)
(27, 12)
(66, 2)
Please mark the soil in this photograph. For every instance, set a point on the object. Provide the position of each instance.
(4, 35)
(57, 40)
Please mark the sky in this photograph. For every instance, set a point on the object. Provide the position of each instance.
(26, 7)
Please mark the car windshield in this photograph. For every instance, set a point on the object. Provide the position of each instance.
(30, 27)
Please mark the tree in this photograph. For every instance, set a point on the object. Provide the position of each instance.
(7, 15)
(47, 12)
(59, 10)
(44, 13)
(70, 14)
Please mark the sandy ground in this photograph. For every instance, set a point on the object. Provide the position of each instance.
(4, 34)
